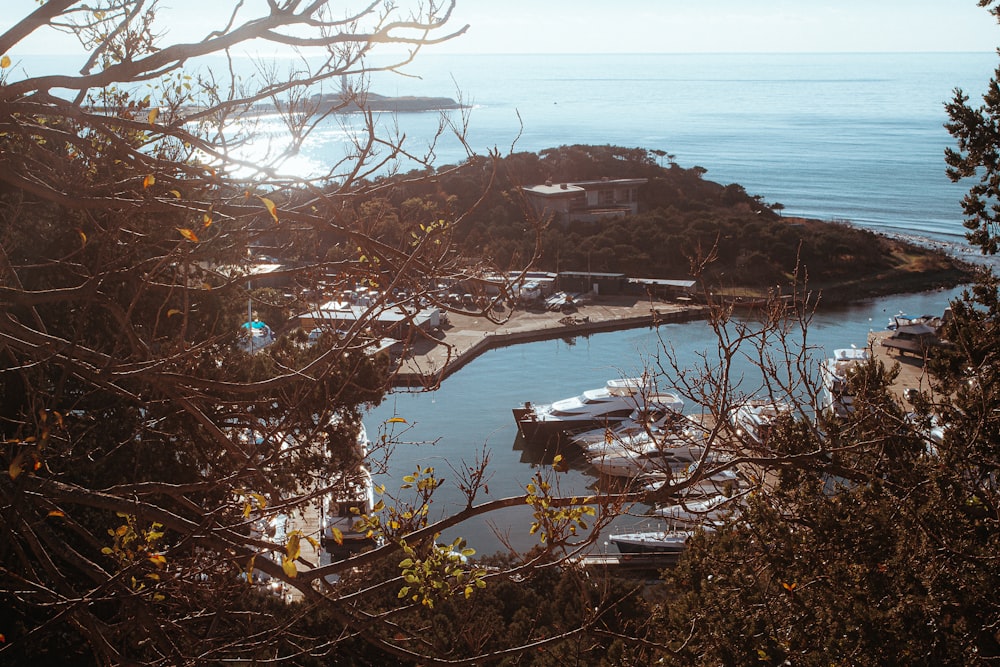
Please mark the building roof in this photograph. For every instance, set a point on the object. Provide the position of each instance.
(550, 189)
(340, 311)
(686, 284)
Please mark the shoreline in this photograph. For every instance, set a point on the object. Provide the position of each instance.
(433, 358)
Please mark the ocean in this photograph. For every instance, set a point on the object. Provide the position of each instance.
(853, 137)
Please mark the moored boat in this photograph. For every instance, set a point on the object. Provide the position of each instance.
(835, 374)
(753, 419)
(593, 408)
(652, 541)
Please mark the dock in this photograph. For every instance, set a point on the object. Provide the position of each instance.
(465, 337)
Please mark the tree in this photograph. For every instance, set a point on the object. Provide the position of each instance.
(149, 461)
(975, 131)
(874, 541)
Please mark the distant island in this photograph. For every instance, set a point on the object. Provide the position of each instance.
(353, 103)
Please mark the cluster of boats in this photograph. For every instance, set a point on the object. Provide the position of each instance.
(628, 430)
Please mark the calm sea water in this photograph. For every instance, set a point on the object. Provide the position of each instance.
(470, 414)
(855, 137)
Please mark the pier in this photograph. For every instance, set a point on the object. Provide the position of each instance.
(465, 337)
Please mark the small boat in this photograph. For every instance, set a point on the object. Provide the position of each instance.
(353, 495)
(657, 458)
(594, 408)
(752, 421)
(707, 511)
(834, 374)
(721, 482)
(652, 541)
(916, 338)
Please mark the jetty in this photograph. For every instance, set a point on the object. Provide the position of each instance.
(429, 360)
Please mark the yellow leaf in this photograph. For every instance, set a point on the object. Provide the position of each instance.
(206, 220)
(153, 113)
(5, 62)
(176, 193)
(338, 536)
(188, 234)
(16, 466)
(159, 560)
(292, 547)
(172, 312)
(149, 180)
(56, 513)
(288, 565)
(271, 208)
(396, 420)
(83, 237)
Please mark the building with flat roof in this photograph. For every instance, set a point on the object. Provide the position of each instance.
(391, 321)
(585, 200)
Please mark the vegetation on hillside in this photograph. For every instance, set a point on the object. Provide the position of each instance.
(683, 220)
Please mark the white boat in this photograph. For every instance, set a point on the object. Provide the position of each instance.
(352, 495)
(594, 408)
(657, 458)
(752, 421)
(706, 511)
(652, 541)
(917, 338)
(835, 374)
(721, 482)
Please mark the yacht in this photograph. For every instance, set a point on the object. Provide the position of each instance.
(352, 495)
(723, 481)
(655, 458)
(834, 374)
(752, 421)
(709, 510)
(594, 408)
(638, 429)
(652, 541)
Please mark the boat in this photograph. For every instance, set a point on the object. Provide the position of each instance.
(752, 420)
(642, 421)
(916, 338)
(834, 374)
(709, 510)
(656, 458)
(351, 496)
(593, 408)
(652, 541)
(723, 481)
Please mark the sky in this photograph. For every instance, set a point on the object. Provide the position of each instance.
(655, 26)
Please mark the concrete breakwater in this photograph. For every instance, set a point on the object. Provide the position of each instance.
(466, 337)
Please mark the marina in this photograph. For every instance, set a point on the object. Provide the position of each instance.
(469, 415)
